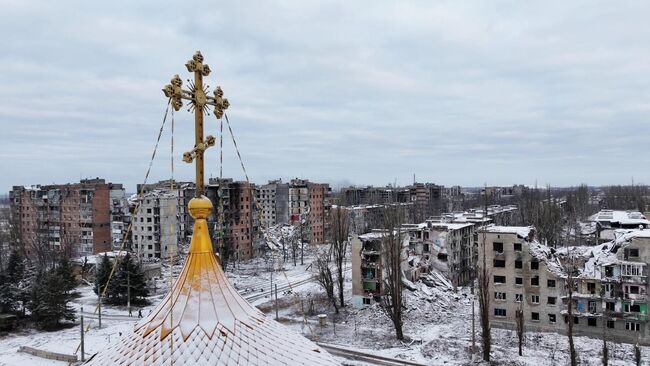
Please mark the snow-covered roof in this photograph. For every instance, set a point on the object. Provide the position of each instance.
(373, 235)
(627, 235)
(545, 254)
(451, 225)
(621, 217)
(95, 258)
(521, 231)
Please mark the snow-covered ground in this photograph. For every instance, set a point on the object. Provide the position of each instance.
(437, 324)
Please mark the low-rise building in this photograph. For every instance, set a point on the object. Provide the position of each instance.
(607, 221)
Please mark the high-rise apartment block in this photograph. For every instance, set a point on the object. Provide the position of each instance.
(155, 225)
(73, 217)
(274, 201)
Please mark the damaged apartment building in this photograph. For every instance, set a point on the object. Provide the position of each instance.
(610, 295)
(368, 266)
(155, 229)
(73, 217)
(451, 244)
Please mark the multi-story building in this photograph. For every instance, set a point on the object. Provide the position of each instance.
(155, 225)
(71, 217)
(451, 243)
(318, 193)
(368, 266)
(274, 202)
(120, 217)
(610, 283)
(238, 228)
(607, 221)
(366, 218)
(522, 277)
(185, 191)
(298, 199)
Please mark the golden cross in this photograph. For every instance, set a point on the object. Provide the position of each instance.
(200, 100)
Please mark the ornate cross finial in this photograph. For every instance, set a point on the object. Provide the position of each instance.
(200, 103)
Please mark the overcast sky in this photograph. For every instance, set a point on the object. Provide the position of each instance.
(354, 92)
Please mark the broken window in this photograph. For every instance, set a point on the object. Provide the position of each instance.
(592, 306)
(591, 287)
(498, 247)
(609, 306)
(609, 271)
(634, 252)
(592, 322)
(519, 281)
(534, 316)
(550, 283)
(500, 263)
(551, 318)
(632, 308)
(517, 247)
(534, 264)
(499, 279)
(552, 300)
(519, 264)
(366, 301)
(499, 312)
(610, 324)
(633, 289)
(534, 281)
(500, 295)
(519, 297)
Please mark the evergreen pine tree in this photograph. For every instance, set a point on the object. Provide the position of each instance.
(8, 294)
(10, 283)
(129, 273)
(102, 272)
(66, 273)
(49, 302)
(15, 267)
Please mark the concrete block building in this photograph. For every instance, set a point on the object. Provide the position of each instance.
(368, 266)
(611, 285)
(155, 226)
(73, 217)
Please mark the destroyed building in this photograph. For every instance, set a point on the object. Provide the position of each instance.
(611, 283)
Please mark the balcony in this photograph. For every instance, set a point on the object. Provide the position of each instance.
(629, 296)
(369, 264)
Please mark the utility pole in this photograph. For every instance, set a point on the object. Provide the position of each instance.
(100, 310)
(473, 329)
(81, 323)
(128, 291)
(276, 302)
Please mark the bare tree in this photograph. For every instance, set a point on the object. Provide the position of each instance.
(519, 316)
(570, 288)
(484, 302)
(324, 277)
(605, 319)
(340, 241)
(391, 263)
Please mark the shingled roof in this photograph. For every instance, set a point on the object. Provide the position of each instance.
(204, 321)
